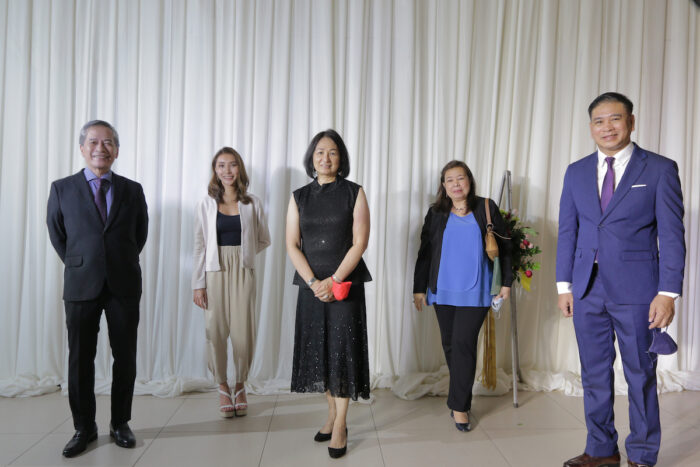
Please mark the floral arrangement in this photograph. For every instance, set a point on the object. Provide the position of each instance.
(522, 248)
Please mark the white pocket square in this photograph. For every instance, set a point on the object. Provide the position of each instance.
(638, 186)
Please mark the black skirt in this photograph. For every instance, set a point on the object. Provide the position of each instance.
(330, 345)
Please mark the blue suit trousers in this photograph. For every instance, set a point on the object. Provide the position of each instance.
(597, 322)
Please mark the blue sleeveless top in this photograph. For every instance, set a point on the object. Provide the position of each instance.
(464, 278)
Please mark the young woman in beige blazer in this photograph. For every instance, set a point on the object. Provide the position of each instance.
(230, 229)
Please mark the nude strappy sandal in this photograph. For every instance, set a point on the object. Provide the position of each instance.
(226, 413)
(240, 408)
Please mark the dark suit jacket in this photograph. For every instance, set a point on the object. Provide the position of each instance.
(94, 253)
(639, 239)
(430, 252)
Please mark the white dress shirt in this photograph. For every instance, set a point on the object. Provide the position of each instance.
(622, 158)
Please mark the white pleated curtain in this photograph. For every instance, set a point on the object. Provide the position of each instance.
(409, 85)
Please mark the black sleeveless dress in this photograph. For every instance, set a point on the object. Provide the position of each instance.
(330, 339)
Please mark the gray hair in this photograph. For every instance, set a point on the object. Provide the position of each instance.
(92, 123)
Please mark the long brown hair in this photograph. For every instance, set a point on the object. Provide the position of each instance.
(442, 202)
(216, 188)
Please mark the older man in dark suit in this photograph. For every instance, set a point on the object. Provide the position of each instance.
(98, 223)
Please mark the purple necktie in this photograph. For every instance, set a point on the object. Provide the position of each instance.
(101, 197)
(606, 192)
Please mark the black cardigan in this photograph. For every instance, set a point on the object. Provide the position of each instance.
(429, 254)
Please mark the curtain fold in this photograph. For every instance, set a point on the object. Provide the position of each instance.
(410, 84)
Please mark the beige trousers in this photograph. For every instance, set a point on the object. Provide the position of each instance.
(230, 313)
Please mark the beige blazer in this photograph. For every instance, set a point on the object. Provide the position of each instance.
(255, 237)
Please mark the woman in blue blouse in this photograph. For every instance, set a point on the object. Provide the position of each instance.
(454, 274)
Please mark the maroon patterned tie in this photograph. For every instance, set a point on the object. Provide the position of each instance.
(606, 192)
(101, 197)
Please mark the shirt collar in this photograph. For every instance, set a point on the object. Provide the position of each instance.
(621, 157)
(90, 176)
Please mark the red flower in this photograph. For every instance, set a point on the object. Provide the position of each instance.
(528, 273)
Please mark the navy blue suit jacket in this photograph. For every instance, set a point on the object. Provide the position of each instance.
(639, 238)
(95, 253)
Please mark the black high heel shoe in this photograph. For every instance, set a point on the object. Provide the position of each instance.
(321, 437)
(336, 453)
(461, 426)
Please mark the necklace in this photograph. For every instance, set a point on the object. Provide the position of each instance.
(463, 209)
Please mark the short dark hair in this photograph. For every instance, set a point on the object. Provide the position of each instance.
(611, 97)
(443, 203)
(92, 123)
(344, 169)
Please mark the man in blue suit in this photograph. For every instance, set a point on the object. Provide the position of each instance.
(620, 262)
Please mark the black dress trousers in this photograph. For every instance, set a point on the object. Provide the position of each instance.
(83, 323)
(459, 330)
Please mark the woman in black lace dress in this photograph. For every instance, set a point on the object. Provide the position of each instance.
(327, 232)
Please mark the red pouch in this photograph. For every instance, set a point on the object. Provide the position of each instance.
(341, 290)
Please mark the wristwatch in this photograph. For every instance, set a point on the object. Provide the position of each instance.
(311, 281)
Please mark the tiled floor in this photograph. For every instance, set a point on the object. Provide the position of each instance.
(545, 430)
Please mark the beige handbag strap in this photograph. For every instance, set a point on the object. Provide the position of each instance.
(489, 224)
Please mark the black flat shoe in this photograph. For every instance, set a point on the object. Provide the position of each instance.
(123, 436)
(336, 453)
(78, 443)
(321, 437)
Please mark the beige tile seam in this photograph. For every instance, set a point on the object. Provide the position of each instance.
(39, 440)
(376, 433)
(52, 430)
(267, 435)
(497, 448)
(159, 431)
(32, 446)
(564, 408)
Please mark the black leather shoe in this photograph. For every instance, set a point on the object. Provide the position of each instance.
(78, 443)
(123, 436)
(321, 437)
(585, 460)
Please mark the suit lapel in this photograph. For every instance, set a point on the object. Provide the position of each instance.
(86, 192)
(634, 169)
(118, 186)
(589, 184)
